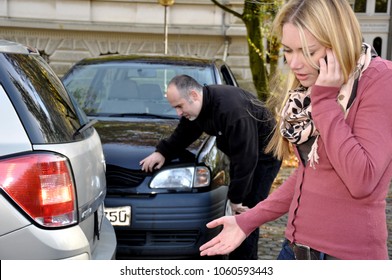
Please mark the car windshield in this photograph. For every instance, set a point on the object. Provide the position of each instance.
(129, 88)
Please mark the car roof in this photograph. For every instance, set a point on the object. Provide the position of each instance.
(13, 47)
(165, 59)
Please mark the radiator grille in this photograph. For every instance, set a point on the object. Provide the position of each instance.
(123, 178)
(157, 238)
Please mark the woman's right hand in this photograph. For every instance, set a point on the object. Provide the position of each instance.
(227, 240)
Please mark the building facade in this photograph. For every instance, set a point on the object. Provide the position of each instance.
(65, 31)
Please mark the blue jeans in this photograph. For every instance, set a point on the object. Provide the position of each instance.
(286, 253)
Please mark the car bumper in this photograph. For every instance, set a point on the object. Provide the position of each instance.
(168, 226)
(29, 242)
(106, 248)
(69, 243)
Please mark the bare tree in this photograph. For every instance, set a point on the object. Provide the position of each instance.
(257, 16)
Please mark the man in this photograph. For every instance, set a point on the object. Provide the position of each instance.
(242, 126)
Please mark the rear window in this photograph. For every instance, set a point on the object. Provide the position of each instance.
(46, 110)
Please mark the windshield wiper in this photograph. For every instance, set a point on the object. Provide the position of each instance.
(143, 115)
(84, 127)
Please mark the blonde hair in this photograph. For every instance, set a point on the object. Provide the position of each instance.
(333, 23)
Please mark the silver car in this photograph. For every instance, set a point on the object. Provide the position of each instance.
(52, 168)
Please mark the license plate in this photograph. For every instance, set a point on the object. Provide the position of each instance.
(119, 216)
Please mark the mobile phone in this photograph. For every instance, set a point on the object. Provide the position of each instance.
(326, 61)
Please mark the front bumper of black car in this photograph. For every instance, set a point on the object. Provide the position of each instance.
(168, 226)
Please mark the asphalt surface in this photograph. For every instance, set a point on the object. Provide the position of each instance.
(272, 233)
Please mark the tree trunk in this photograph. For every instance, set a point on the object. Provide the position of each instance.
(254, 19)
(257, 63)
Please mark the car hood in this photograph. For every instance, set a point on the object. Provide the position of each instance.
(127, 141)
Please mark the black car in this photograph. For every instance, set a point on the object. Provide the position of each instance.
(159, 215)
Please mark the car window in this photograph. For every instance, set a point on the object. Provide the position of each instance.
(128, 88)
(42, 103)
(227, 76)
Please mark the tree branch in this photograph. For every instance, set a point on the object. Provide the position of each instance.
(225, 8)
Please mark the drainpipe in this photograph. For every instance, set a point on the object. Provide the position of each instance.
(166, 4)
(389, 43)
(227, 41)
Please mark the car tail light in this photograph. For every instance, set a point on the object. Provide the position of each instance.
(42, 185)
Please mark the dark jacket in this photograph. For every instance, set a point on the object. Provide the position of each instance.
(242, 126)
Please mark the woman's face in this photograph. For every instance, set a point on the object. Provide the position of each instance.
(294, 54)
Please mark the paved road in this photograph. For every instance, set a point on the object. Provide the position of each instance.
(272, 233)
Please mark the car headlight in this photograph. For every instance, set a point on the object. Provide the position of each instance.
(184, 178)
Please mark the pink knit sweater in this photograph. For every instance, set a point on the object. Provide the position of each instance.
(339, 207)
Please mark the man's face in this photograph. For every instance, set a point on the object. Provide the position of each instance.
(189, 107)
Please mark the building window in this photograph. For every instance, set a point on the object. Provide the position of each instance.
(377, 45)
(381, 6)
(360, 6)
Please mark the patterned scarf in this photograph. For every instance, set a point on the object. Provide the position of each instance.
(297, 125)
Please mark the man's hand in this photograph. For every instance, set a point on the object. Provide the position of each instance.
(238, 208)
(153, 161)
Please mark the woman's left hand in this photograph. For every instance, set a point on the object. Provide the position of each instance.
(227, 240)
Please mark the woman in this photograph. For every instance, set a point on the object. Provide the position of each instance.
(337, 116)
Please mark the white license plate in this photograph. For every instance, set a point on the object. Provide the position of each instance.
(119, 216)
